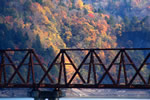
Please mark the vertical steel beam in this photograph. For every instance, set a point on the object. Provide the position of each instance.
(89, 73)
(31, 65)
(4, 74)
(2, 61)
(60, 72)
(64, 67)
(124, 68)
(94, 70)
(149, 80)
(28, 75)
(120, 67)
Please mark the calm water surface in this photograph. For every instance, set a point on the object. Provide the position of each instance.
(70, 99)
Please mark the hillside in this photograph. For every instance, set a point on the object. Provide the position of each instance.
(50, 25)
(130, 8)
(65, 24)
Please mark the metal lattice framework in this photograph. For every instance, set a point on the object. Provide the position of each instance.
(119, 70)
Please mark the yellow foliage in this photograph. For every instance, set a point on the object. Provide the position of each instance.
(45, 20)
(118, 28)
(88, 8)
(68, 35)
(37, 7)
(47, 9)
(79, 4)
(105, 15)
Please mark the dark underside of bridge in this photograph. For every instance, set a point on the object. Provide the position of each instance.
(92, 86)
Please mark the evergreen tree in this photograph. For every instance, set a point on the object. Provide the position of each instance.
(37, 45)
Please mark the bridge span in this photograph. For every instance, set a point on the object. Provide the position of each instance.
(125, 68)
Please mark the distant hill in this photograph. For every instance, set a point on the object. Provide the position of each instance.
(140, 8)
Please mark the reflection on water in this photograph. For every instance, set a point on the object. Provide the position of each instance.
(98, 99)
(72, 99)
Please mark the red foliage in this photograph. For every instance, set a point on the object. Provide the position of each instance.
(8, 18)
(91, 15)
(30, 18)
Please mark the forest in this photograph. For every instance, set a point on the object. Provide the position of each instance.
(50, 25)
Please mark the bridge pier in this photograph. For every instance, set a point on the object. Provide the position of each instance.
(53, 98)
(49, 95)
(39, 98)
(46, 98)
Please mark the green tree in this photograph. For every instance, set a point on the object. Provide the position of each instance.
(39, 1)
(111, 20)
(37, 45)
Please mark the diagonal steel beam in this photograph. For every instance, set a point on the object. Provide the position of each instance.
(138, 70)
(74, 68)
(50, 67)
(80, 66)
(109, 69)
(16, 70)
(106, 71)
(41, 65)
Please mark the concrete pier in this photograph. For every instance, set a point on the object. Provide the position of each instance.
(46, 98)
(42, 95)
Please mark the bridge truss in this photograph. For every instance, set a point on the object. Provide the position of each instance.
(76, 68)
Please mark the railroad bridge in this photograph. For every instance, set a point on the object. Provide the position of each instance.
(119, 68)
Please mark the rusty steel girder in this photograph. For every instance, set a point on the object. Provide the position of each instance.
(118, 69)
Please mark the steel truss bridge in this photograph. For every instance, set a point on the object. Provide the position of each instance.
(76, 68)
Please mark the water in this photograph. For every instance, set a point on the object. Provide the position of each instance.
(71, 99)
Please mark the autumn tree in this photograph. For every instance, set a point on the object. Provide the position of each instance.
(79, 4)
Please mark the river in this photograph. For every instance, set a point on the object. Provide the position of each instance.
(72, 99)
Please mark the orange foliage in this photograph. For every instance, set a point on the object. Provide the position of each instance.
(102, 55)
(36, 7)
(106, 45)
(102, 27)
(105, 16)
(148, 7)
(137, 2)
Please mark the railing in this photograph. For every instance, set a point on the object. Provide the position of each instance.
(77, 68)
